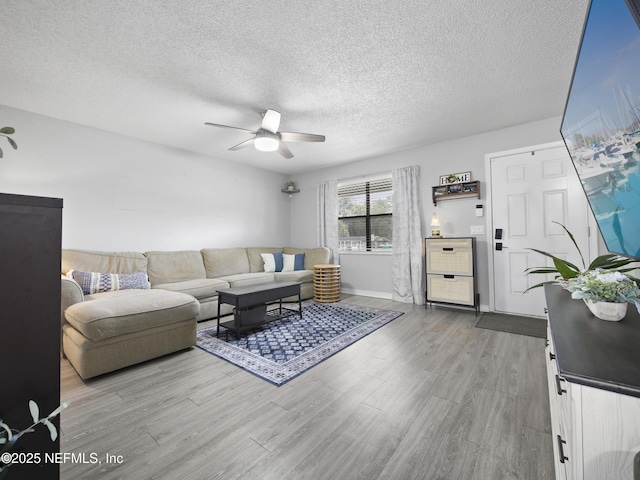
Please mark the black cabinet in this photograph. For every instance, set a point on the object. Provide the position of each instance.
(30, 246)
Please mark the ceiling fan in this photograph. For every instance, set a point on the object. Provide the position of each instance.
(267, 138)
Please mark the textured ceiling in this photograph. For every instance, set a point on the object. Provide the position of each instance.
(372, 76)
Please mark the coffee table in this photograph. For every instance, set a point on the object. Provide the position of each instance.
(250, 304)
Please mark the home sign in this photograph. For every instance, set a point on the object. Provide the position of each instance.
(455, 178)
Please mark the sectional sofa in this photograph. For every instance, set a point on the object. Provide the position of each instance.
(122, 308)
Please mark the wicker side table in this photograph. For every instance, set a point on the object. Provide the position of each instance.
(326, 283)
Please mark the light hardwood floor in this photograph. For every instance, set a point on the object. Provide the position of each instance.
(427, 396)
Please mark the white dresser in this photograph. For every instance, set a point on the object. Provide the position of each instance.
(593, 373)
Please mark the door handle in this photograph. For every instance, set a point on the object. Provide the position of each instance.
(561, 444)
(500, 246)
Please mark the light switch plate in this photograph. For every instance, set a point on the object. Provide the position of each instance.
(477, 229)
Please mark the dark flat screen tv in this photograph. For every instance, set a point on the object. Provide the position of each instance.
(601, 122)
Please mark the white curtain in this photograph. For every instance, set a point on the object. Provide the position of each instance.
(408, 263)
(328, 218)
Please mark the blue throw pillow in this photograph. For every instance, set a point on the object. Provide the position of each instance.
(298, 264)
(279, 261)
(93, 282)
(293, 262)
(272, 261)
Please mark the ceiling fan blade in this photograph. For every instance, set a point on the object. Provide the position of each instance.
(228, 126)
(301, 137)
(271, 121)
(284, 150)
(246, 143)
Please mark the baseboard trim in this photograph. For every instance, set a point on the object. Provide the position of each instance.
(367, 293)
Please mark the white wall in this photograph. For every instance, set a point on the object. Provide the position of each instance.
(456, 215)
(122, 193)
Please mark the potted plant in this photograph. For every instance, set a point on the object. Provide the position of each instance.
(9, 436)
(605, 293)
(564, 270)
(603, 285)
(5, 132)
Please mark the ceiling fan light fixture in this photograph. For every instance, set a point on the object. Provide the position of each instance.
(266, 141)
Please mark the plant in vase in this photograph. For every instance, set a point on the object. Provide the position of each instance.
(9, 436)
(607, 294)
(564, 271)
(604, 285)
(5, 132)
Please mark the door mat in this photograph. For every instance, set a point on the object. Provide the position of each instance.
(530, 326)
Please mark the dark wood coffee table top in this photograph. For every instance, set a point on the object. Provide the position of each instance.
(250, 296)
(258, 287)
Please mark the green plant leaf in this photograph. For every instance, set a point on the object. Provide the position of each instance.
(7, 130)
(540, 270)
(573, 240)
(58, 410)
(6, 428)
(35, 411)
(550, 282)
(609, 261)
(0, 153)
(555, 259)
(52, 429)
(565, 269)
(12, 143)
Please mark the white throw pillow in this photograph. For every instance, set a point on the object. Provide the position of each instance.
(269, 262)
(288, 262)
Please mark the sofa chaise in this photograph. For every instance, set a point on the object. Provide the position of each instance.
(122, 308)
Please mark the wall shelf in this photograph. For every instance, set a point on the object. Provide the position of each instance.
(455, 190)
(290, 192)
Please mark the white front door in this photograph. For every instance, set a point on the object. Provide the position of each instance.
(529, 191)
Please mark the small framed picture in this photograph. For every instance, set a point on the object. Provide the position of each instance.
(455, 178)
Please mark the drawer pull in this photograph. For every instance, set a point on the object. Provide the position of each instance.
(561, 449)
(449, 276)
(559, 385)
(447, 249)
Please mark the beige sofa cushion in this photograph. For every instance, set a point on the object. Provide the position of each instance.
(256, 263)
(109, 314)
(312, 256)
(302, 276)
(202, 288)
(242, 279)
(171, 267)
(219, 262)
(103, 262)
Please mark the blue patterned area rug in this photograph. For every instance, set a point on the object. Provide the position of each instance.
(283, 349)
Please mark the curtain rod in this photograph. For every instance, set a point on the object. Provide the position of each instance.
(373, 176)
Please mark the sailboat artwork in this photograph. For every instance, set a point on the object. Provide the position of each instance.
(601, 123)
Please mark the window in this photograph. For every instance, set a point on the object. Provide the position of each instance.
(365, 222)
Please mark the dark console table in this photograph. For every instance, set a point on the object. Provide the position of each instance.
(250, 303)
